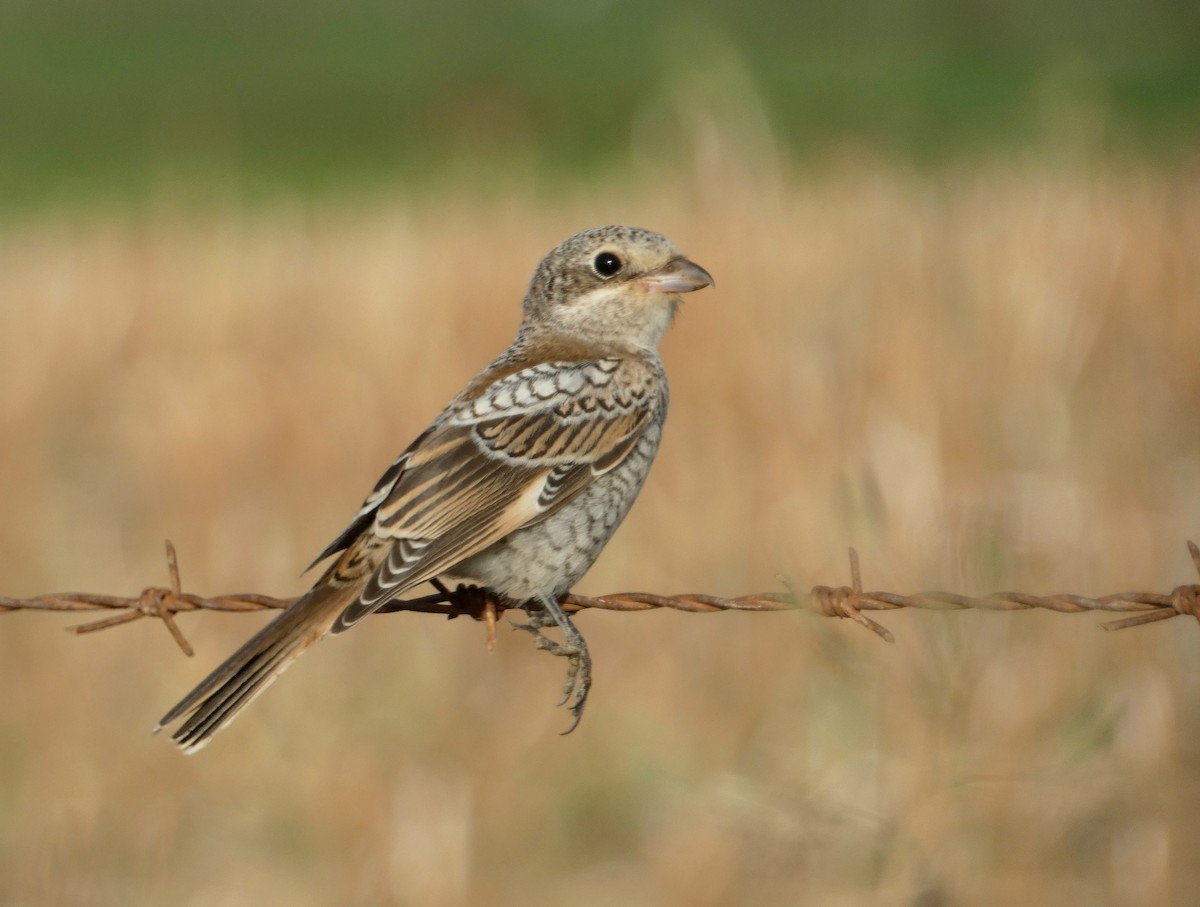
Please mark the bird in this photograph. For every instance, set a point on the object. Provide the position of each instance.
(516, 486)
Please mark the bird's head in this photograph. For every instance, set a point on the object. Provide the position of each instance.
(611, 285)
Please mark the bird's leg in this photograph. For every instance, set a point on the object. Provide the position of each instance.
(574, 648)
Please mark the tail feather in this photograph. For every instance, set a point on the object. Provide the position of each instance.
(219, 708)
(245, 674)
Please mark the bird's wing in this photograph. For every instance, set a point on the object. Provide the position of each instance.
(501, 459)
(366, 513)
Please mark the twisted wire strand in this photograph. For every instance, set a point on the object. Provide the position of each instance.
(165, 603)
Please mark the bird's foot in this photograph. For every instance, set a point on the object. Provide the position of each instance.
(573, 648)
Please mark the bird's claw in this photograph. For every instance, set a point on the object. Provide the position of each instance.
(573, 648)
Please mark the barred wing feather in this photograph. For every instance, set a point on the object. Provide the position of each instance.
(502, 461)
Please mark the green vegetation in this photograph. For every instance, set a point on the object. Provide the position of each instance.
(267, 95)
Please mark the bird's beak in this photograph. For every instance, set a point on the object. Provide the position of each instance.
(678, 276)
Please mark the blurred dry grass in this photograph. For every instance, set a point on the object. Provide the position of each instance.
(983, 379)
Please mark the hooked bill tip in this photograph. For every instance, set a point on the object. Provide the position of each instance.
(680, 276)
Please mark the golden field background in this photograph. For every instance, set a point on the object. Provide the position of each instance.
(983, 378)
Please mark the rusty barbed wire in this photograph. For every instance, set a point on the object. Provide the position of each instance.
(165, 603)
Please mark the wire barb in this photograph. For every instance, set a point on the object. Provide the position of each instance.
(165, 603)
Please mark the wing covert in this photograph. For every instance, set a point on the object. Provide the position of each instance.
(504, 459)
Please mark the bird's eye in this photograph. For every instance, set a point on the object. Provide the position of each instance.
(606, 264)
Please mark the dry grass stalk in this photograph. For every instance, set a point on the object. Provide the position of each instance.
(980, 376)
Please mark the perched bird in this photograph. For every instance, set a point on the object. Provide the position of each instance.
(518, 484)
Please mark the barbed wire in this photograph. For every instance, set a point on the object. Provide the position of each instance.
(166, 603)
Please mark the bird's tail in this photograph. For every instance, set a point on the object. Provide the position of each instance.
(217, 700)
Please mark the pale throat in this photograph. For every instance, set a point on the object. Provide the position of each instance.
(618, 314)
